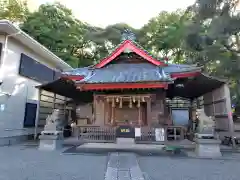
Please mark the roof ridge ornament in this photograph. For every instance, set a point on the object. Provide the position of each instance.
(127, 34)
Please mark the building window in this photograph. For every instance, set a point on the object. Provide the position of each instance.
(30, 115)
(34, 70)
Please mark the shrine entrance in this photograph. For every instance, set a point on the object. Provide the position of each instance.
(126, 115)
(130, 88)
(126, 110)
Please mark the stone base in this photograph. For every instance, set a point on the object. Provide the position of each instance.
(209, 148)
(125, 141)
(50, 142)
(204, 136)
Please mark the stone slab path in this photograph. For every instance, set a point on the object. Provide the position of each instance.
(123, 166)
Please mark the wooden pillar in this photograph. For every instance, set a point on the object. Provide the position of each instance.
(229, 112)
(139, 116)
(105, 111)
(149, 111)
(37, 115)
(64, 108)
(108, 108)
(213, 110)
(190, 121)
(54, 101)
(113, 111)
(139, 112)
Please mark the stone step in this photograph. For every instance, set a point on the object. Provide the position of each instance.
(123, 166)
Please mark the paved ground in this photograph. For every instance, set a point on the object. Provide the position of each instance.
(123, 166)
(166, 168)
(30, 164)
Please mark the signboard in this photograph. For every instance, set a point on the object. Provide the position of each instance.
(125, 132)
(159, 134)
(137, 132)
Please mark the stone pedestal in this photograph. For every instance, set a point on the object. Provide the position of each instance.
(51, 140)
(209, 148)
(125, 141)
(51, 137)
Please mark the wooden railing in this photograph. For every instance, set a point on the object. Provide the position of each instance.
(97, 134)
(175, 133)
(108, 134)
(147, 135)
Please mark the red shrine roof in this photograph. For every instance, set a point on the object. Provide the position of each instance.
(123, 73)
(146, 73)
(129, 45)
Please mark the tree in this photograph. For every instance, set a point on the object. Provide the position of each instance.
(215, 29)
(14, 10)
(164, 35)
(106, 39)
(214, 34)
(54, 26)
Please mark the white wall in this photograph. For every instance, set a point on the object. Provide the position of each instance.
(22, 89)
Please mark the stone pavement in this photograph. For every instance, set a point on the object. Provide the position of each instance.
(21, 163)
(123, 166)
(167, 168)
(28, 163)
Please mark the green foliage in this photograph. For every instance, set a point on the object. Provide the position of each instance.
(106, 39)
(164, 35)
(214, 34)
(207, 33)
(55, 27)
(13, 10)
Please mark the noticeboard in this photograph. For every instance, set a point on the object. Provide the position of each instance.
(125, 131)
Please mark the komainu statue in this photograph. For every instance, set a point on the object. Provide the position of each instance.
(206, 124)
(54, 120)
(51, 137)
(207, 142)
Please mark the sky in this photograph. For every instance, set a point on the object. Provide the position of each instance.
(101, 13)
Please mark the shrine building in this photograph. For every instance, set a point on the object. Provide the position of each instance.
(131, 87)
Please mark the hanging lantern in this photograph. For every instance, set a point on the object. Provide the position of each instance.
(143, 99)
(120, 103)
(117, 100)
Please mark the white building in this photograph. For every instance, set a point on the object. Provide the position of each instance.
(24, 64)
